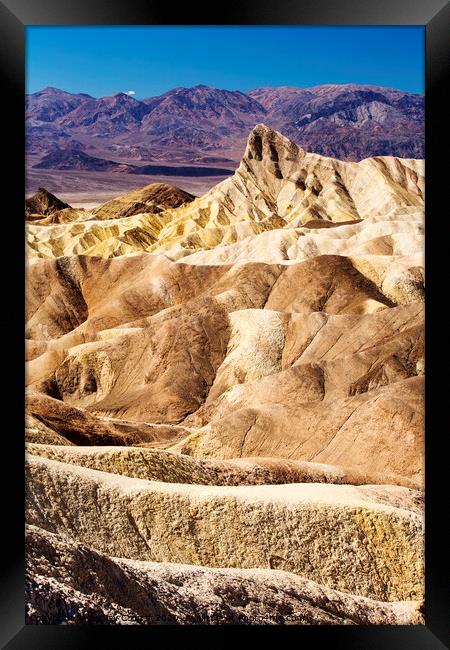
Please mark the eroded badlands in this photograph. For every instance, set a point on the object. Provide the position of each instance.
(225, 397)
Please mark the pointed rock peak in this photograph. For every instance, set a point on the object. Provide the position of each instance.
(51, 90)
(43, 193)
(43, 202)
(117, 98)
(266, 132)
(265, 143)
(199, 90)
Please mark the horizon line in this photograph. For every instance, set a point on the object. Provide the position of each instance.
(362, 85)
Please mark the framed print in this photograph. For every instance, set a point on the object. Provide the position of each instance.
(227, 422)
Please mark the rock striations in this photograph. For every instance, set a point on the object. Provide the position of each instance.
(225, 396)
(69, 582)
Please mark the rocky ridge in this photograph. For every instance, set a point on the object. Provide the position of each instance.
(60, 589)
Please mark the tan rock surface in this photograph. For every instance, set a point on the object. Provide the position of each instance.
(160, 465)
(339, 535)
(68, 582)
(300, 361)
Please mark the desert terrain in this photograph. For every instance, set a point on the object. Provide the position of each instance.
(225, 389)
(78, 144)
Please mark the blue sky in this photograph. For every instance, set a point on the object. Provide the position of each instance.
(150, 60)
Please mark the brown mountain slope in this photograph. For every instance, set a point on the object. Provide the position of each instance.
(227, 338)
(43, 203)
(152, 198)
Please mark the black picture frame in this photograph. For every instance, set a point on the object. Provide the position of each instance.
(15, 15)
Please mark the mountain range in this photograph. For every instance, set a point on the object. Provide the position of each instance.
(201, 124)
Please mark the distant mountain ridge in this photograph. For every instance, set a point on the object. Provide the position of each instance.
(350, 122)
(50, 104)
